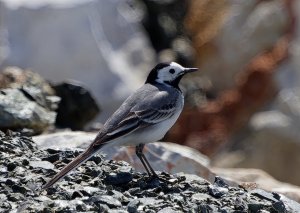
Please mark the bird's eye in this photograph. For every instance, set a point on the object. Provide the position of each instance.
(172, 71)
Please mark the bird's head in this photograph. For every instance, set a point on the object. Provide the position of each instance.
(168, 73)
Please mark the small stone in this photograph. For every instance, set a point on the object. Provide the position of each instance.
(134, 191)
(3, 169)
(52, 151)
(52, 158)
(15, 197)
(20, 171)
(41, 164)
(25, 162)
(118, 195)
(11, 166)
(104, 208)
(81, 208)
(12, 181)
(97, 159)
(133, 205)
(172, 181)
(279, 206)
(220, 182)
(264, 195)
(201, 197)
(20, 189)
(76, 194)
(105, 199)
(3, 197)
(255, 207)
(119, 211)
(167, 210)
(217, 192)
(88, 190)
(118, 178)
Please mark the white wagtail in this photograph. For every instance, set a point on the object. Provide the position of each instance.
(144, 117)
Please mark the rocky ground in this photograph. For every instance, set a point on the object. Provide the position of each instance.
(110, 186)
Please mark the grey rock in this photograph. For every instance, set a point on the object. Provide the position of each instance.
(62, 140)
(15, 197)
(11, 166)
(263, 194)
(3, 197)
(103, 208)
(201, 196)
(279, 206)
(52, 158)
(118, 178)
(19, 189)
(216, 191)
(32, 85)
(132, 206)
(12, 181)
(118, 211)
(107, 200)
(18, 112)
(41, 164)
(167, 210)
(290, 205)
(220, 182)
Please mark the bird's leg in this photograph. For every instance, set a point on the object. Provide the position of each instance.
(139, 153)
(152, 170)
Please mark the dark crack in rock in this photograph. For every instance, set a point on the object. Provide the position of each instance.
(108, 186)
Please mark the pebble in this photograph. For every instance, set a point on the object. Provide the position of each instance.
(41, 164)
(118, 178)
(106, 199)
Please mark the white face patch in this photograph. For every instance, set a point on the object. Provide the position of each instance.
(169, 73)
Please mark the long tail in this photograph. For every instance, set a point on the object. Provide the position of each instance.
(72, 165)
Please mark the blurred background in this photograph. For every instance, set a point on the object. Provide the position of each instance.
(242, 108)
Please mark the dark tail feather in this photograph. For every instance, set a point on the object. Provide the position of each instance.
(72, 165)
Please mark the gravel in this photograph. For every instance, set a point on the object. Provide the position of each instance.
(109, 186)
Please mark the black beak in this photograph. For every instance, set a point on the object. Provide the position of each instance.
(188, 70)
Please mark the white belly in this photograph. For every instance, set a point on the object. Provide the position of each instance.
(149, 134)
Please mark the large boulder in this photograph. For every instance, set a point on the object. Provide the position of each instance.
(17, 112)
(27, 101)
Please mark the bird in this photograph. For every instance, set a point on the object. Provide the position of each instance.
(144, 117)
